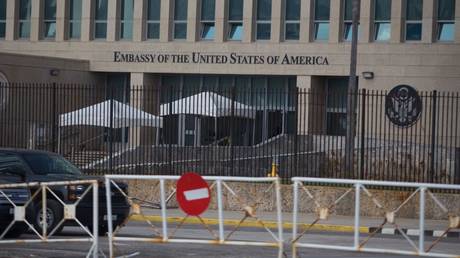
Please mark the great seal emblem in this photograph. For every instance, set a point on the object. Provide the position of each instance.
(403, 105)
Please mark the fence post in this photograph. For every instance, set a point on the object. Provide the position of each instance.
(433, 133)
(296, 140)
(54, 114)
(170, 138)
(363, 130)
(457, 166)
(232, 128)
(111, 132)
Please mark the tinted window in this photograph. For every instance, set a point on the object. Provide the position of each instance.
(414, 10)
(446, 9)
(382, 10)
(322, 9)
(235, 12)
(44, 164)
(9, 163)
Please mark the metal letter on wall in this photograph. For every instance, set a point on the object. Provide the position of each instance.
(403, 105)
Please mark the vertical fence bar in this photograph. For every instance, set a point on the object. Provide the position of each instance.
(421, 241)
(357, 217)
(363, 128)
(45, 223)
(232, 130)
(433, 135)
(95, 220)
(294, 216)
(279, 216)
(220, 211)
(163, 210)
(54, 114)
(109, 214)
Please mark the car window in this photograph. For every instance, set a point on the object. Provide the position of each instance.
(11, 163)
(44, 164)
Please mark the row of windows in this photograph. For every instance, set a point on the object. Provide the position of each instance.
(445, 19)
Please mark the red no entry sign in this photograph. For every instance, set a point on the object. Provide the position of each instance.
(193, 194)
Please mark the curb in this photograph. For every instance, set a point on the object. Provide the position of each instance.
(251, 224)
(415, 232)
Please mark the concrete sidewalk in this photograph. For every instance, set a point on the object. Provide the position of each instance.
(333, 223)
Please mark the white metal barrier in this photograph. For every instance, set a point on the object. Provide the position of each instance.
(222, 238)
(359, 186)
(69, 212)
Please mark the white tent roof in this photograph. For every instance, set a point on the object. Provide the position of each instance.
(99, 115)
(208, 104)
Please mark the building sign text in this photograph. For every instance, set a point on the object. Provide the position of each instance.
(232, 58)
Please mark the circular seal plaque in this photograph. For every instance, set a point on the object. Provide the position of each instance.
(403, 105)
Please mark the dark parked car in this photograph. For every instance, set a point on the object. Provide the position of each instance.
(19, 196)
(41, 166)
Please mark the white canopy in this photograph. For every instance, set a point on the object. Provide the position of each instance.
(123, 115)
(208, 104)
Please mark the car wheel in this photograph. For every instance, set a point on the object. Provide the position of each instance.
(54, 214)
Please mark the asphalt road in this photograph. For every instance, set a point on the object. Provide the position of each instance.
(174, 250)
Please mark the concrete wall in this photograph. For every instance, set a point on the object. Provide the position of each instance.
(250, 193)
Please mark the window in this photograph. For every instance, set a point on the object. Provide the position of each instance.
(126, 19)
(25, 8)
(153, 19)
(264, 16)
(208, 8)
(180, 19)
(75, 19)
(322, 13)
(292, 24)
(3, 90)
(100, 20)
(49, 19)
(235, 20)
(348, 20)
(414, 14)
(446, 20)
(382, 20)
(2, 18)
(336, 106)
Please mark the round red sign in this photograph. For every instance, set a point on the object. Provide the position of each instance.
(193, 194)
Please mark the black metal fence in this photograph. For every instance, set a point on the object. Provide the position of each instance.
(236, 131)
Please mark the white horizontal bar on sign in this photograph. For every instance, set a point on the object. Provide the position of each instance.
(375, 183)
(197, 194)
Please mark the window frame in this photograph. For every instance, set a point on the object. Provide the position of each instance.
(3, 22)
(100, 21)
(123, 21)
(317, 22)
(151, 22)
(48, 22)
(206, 22)
(179, 22)
(440, 22)
(24, 21)
(378, 22)
(235, 22)
(262, 22)
(291, 22)
(412, 22)
(73, 20)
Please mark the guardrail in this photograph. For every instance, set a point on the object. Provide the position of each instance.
(20, 212)
(219, 184)
(358, 187)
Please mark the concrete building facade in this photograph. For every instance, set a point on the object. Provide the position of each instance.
(282, 43)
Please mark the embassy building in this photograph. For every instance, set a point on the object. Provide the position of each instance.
(255, 45)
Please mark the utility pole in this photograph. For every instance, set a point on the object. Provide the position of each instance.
(352, 92)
